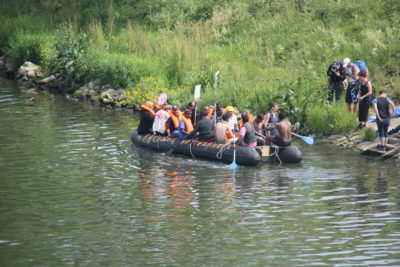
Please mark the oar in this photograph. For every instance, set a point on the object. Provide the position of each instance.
(308, 139)
(233, 165)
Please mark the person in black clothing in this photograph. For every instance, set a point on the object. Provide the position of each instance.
(337, 74)
(146, 119)
(172, 124)
(204, 128)
(194, 113)
(365, 99)
(383, 114)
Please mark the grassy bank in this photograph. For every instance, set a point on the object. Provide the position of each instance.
(266, 50)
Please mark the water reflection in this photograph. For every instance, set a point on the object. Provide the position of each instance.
(75, 191)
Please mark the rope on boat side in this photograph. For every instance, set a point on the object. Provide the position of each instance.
(190, 149)
(219, 153)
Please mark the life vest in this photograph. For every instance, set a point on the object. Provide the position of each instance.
(250, 136)
(229, 136)
(149, 109)
(210, 112)
(250, 120)
(175, 119)
(188, 124)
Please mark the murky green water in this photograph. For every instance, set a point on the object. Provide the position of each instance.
(74, 192)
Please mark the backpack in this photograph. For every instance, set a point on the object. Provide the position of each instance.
(362, 66)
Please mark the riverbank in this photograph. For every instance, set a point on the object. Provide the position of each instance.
(96, 93)
(356, 141)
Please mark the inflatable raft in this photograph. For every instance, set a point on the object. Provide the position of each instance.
(246, 156)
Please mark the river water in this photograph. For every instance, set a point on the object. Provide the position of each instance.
(74, 191)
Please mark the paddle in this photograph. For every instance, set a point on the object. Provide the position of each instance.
(308, 139)
(233, 165)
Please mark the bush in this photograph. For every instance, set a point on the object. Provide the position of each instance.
(330, 119)
(368, 134)
(38, 48)
(121, 70)
(71, 52)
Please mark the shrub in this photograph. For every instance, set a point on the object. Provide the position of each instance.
(330, 119)
(71, 52)
(38, 48)
(368, 134)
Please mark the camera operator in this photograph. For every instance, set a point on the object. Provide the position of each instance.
(337, 74)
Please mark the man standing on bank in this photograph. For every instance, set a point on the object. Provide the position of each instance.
(352, 89)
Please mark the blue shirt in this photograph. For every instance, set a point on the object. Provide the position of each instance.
(375, 101)
(182, 127)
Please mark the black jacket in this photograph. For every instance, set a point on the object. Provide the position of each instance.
(331, 73)
(146, 122)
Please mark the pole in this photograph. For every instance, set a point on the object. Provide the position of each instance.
(215, 94)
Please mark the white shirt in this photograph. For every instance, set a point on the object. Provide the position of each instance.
(232, 121)
(159, 121)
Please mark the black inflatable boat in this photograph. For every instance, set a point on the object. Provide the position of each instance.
(246, 156)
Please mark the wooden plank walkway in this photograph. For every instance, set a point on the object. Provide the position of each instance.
(372, 150)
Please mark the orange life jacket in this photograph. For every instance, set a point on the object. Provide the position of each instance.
(210, 112)
(188, 124)
(149, 109)
(229, 136)
(175, 119)
(250, 120)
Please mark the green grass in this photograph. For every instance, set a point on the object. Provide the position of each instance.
(265, 50)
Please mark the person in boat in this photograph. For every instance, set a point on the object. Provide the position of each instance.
(247, 132)
(218, 113)
(146, 119)
(160, 120)
(222, 130)
(383, 115)
(284, 128)
(232, 119)
(204, 128)
(271, 118)
(259, 127)
(172, 124)
(185, 125)
(211, 113)
(192, 107)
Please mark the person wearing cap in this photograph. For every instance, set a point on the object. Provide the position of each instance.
(146, 119)
(172, 123)
(352, 89)
(232, 119)
(247, 132)
(185, 125)
(365, 99)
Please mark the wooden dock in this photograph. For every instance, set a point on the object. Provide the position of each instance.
(372, 150)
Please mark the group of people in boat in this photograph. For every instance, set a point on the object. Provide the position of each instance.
(219, 125)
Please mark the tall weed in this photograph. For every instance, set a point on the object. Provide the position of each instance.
(330, 119)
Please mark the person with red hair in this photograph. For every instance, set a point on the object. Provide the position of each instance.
(365, 99)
